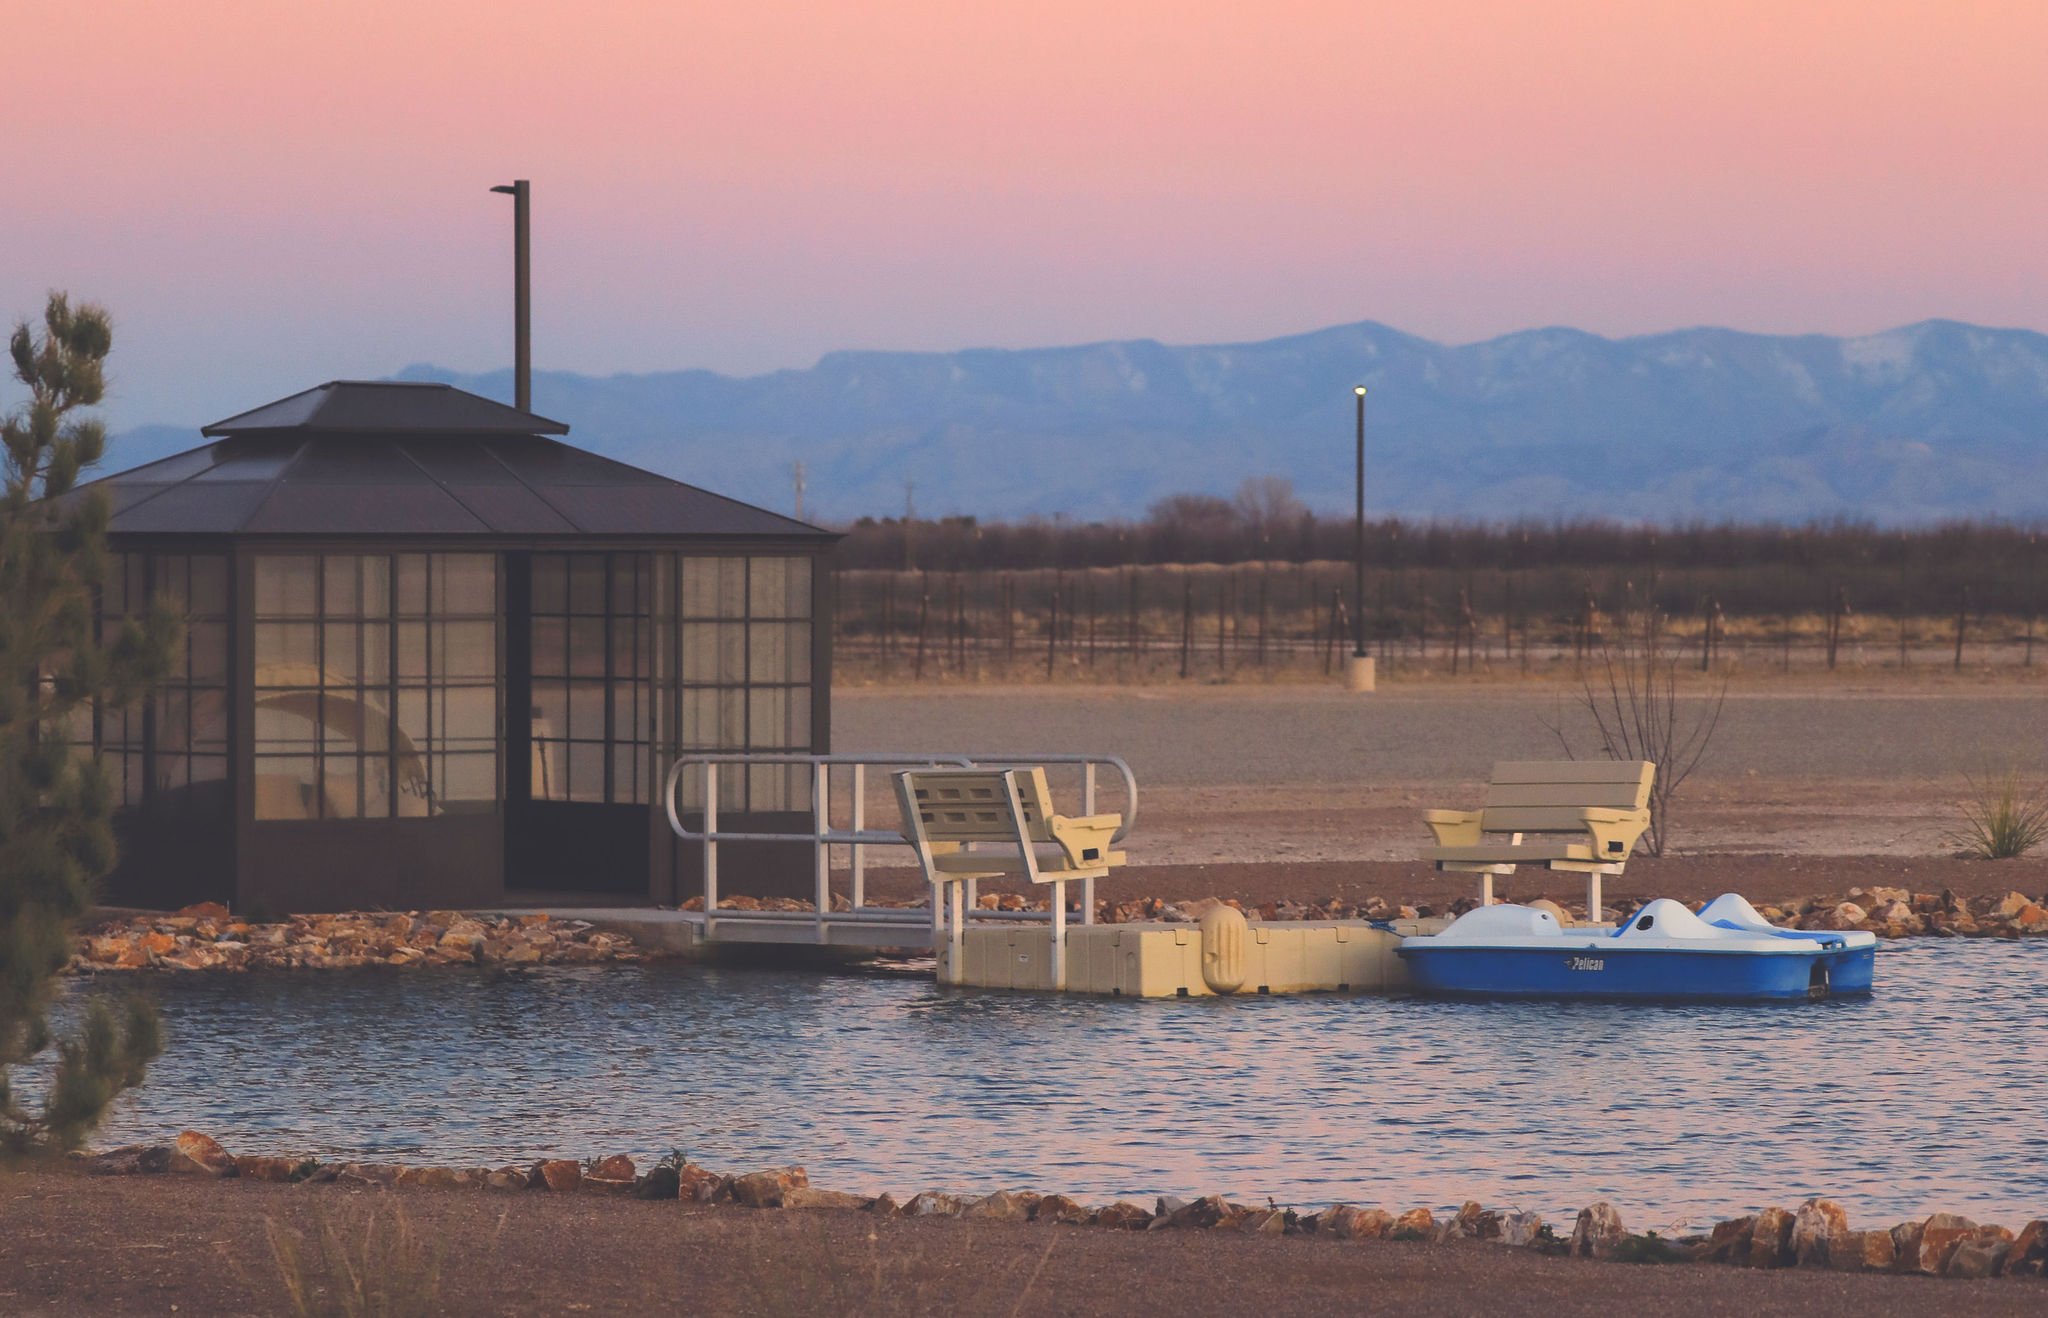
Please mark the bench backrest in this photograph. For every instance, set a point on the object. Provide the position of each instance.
(1546, 796)
(973, 805)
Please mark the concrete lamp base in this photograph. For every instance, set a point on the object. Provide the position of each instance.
(1361, 673)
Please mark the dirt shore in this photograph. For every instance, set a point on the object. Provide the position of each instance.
(71, 1244)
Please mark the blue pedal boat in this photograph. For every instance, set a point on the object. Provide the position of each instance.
(1663, 951)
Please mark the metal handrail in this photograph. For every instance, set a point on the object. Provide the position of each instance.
(823, 837)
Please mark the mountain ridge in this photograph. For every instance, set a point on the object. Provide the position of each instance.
(1934, 420)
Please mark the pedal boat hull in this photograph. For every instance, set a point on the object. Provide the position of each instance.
(1518, 952)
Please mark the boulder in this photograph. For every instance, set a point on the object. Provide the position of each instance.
(1415, 1224)
(661, 1182)
(934, 1203)
(1598, 1231)
(1814, 1229)
(1264, 1222)
(1770, 1239)
(1002, 1206)
(378, 1175)
(764, 1189)
(1939, 1236)
(1124, 1215)
(254, 1167)
(1847, 915)
(560, 1174)
(1209, 1211)
(131, 1160)
(1982, 1253)
(507, 1178)
(1728, 1242)
(618, 1167)
(1906, 1245)
(1348, 1223)
(1520, 1230)
(199, 1153)
(803, 1196)
(1059, 1210)
(1862, 1251)
(2029, 1254)
(1465, 1224)
(884, 1205)
(697, 1184)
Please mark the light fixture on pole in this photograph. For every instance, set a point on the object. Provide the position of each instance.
(522, 292)
(1359, 674)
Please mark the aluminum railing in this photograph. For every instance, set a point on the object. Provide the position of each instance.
(858, 837)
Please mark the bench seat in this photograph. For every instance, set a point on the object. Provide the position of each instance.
(1582, 816)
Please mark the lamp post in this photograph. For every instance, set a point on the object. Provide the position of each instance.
(522, 292)
(1359, 674)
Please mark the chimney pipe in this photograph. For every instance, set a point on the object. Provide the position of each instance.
(522, 292)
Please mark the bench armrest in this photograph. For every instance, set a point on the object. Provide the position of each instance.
(1615, 832)
(1078, 837)
(1453, 828)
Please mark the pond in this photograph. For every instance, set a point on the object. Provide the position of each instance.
(1926, 1096)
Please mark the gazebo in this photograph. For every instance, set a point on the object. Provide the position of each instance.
(434, 657)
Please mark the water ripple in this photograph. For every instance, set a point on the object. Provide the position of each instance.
(1910, 1101)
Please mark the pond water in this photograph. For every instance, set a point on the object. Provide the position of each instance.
(1927, 1096)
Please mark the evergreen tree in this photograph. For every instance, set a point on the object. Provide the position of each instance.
(56, 805)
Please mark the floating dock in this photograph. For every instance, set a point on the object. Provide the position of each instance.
(1215, 958)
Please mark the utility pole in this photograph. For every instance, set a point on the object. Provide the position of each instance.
(909, 516)
(797, 471)
(522, 292)
(1359, 674)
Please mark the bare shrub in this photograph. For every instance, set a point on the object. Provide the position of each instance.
(1633, 699)
(2002, 817)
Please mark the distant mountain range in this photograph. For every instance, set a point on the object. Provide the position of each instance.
(1925, 422)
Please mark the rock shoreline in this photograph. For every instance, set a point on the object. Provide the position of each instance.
(1816, 1234)
(208, 937)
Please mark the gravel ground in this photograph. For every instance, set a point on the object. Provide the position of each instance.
(86, 1245)
(1261, 774)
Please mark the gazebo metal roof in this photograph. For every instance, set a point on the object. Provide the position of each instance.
(358, 458)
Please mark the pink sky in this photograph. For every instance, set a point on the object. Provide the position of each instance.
(270, 195)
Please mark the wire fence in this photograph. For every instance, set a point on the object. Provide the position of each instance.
(1291, 621)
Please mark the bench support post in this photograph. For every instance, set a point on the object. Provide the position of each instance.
(1059, 936)
(1593, 897)
(1486, 888)
(956, 973)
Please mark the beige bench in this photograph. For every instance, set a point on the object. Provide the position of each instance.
(1581, 816)
(968, 824)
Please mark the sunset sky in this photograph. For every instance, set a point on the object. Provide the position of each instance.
(273, 194)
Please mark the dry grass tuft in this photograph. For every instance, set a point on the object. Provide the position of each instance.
(2003, 817)
(368, 1265)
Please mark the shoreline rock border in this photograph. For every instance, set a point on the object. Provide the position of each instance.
(207, 937)
(1816, 1235)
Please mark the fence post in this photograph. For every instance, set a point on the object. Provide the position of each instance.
(1187, 621)
(1052, 629)
(1962, 622)
(924, 608)
(1262, 619)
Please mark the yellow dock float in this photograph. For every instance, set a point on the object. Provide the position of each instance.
(1224, 954)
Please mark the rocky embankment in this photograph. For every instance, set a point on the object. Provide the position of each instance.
(1816, 1234)
(1886, 912)
(207, 937)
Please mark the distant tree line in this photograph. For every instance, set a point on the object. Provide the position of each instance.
(1978, 567)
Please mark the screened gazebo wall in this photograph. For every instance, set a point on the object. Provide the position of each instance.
(436, 726)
